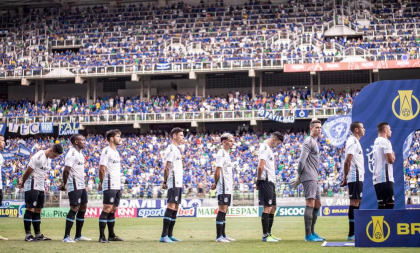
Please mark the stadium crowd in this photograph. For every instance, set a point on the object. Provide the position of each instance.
(233, 101)
(142, 171)
(140, 35)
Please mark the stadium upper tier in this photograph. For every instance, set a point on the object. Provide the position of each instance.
(103, 40)
(141, 161)
(235, 105)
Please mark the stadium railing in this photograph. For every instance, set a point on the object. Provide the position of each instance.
(216, 116)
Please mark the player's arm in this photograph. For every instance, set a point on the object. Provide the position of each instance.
(102, 169)
(260, 170)
(347, 164)
(216, 177)
(303, 157)
(390, 157)
(25, 176)
(66, 174)
(166, 174)
(389, 153)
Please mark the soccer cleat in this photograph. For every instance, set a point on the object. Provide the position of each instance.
(3, 238)
(277, 238)
(350, 238)
(68, 239)
(115, 239)
(31, 238)
(41, 237)
(166, 239)
(269, 239)
(82, 238)
(103, 240)
(221, 239)
(174, 239)
(229, 239)
(312, 238)
(319, 237)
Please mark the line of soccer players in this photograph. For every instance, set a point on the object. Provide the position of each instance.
(110, 182)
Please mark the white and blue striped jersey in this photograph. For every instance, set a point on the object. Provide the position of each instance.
(382, 170)
(176, 173)
(225, 183)
(41, 165)
(357, 166)
(76, 161)
(110, 158)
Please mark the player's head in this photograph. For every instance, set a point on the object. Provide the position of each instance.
(2, 143)
(78, 140)
(315, 127)
(227, 140)
(114, 136)
(275, 139)
(357, 128)
(384, 129)
(55, 151)
(177, 135)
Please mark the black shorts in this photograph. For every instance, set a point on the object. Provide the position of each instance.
(1, 196)
(174, 195)
(112, 197)
(355, 190)
(78, 197)
(223, 199)
(385, 192)
(34, 199)
(267, 194)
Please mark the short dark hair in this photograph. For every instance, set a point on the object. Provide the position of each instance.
(176, 130)
(278, 135)
(313, 122)
(57, 148)
(225, 136)
(74, 137)
(354, 125)
(381, 126)
(112, 133)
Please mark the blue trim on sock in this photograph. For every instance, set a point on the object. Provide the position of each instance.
(219, 222)
(224, 221)
(104, 221)
(27, 219)
(36, 220)
(69, 219)
(173, 219)
(78, 219)
(352, 220)
(111, 220)
(167, 218)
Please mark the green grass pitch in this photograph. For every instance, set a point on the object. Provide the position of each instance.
(198, 234)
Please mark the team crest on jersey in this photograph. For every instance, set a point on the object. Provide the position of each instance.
(226, 199)
(34, 203)
(112, 200)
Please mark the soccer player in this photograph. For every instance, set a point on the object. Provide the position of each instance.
(266, 179)
(74, 174)
(1, 181)
(33, 181)
(354, 172)
(383, 174)
(110, 183)
(308, 176)
(223, 182)
(172, 180)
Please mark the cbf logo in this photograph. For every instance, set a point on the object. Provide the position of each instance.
(371, 161)
(406, 111)
(327, 211)
(376, 231)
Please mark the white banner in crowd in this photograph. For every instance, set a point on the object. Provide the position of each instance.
(33, 128)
